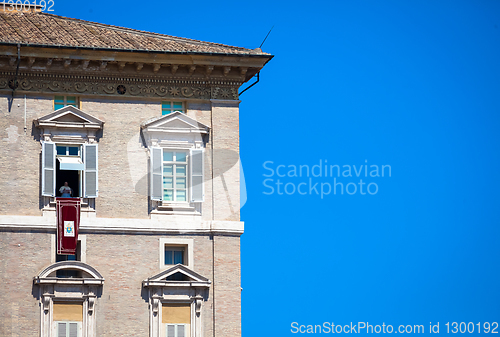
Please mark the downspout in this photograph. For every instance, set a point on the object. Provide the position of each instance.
(14, 84)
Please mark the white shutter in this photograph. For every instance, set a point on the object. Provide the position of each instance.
(61, 329)
(156, 173)
(73, 329)
(196, 177)
(181, 330)
(48, 169)
(171, 330)
(90, 173)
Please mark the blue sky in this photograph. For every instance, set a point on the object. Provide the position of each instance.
(410, 84)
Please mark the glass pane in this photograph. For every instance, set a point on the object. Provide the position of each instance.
(165, 105)
(168, 257)
(70, 99)
(59, 99)
(73, 151)
(180, 156)
(165, 112)
(61, 150)
(181, 195)
(178, 106)
(58, 106)
(180, 183)
(180, 170)
(168, 156)
(168, 182)
(178, 256)
(168, 195)
(168, 170)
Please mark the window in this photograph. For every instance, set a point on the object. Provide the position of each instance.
(174, 176)
(173, 179)
(62, 101)
(177, 318)
(174, 251)
(174, 255)
(168, 107)
(176, 330)
(67, 319)
(66, 273)
(63, 150)
(74, 164)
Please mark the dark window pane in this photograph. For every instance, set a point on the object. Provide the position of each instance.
(61, 150)
(168, 257)
(178, 257)
(73, 151)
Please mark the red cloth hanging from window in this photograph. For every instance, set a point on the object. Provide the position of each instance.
(68, 223)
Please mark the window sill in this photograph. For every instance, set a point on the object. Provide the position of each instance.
(177, 208)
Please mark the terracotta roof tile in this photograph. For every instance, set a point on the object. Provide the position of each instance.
(51, 30)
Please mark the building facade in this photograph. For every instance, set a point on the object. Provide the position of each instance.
(143, 128)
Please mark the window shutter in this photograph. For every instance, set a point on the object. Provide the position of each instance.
(61, 329)
(196, 167)
(48, 169)
(180, 330)
(156, 173)
(90, 174)
(170, 330)
(73, 329)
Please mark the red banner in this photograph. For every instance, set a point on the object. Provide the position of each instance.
(68, 222)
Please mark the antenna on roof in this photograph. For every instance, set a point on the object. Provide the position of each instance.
(266, 36)
(258, 74)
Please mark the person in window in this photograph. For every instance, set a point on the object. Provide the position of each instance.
(66, 191)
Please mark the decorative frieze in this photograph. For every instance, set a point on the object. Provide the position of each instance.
(110, 86)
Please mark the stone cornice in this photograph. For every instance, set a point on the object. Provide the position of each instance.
(123, 86)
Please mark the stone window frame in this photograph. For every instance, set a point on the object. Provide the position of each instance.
(193, 291)
(188, 244)
(83, 290)
(55, 128)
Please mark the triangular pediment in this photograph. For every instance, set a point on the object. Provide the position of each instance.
(69, 116)
(175, 122)
(172, 274)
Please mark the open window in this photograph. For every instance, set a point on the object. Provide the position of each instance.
(69, 167)
(69, 155)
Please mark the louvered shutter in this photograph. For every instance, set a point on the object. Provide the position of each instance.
(48, 169)
(156, 173)
(61, 329)
(90, 174)
(196, 181)
(171, 330)
(73, 329)
(181, 330)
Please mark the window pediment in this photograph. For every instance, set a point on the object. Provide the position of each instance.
(89, 274)
(69, 117)
(191, 278)
(176, 122)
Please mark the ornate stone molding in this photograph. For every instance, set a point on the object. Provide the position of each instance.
(121, 87)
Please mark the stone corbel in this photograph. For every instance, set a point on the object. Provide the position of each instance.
(31, 60)
(192, 69)
(155, 300)
(209, 70)
(174, 68)
(226, 70)
(103, 65)
(85, 64)
(156, 67)
(139, 66)
(199, 301)
(67, 63)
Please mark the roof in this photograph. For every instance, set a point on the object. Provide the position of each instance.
(48, 30)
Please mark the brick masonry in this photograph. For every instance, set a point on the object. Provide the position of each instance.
(123, 259)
